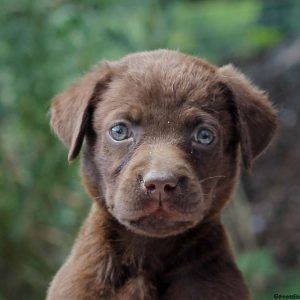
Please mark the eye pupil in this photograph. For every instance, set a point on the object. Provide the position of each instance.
(119, 132)
(204, 136)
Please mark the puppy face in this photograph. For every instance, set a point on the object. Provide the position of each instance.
(163, 132)
(162, 153)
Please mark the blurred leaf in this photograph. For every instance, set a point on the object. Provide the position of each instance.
(258, 266)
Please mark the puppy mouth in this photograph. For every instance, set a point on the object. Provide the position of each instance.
(160, 222)
(161, 210)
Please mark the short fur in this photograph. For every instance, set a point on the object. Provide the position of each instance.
(136, 246)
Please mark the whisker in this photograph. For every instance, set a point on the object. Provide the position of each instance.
(212, 177)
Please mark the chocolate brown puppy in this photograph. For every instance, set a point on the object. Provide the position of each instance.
(163, 135)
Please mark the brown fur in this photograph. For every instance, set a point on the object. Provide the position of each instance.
(135, 245)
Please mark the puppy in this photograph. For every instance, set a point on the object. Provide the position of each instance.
(164, 133)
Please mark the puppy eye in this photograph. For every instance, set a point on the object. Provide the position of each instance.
(204, 136)
(119, 132)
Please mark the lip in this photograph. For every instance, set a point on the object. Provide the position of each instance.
(162, 211)
(159, 211)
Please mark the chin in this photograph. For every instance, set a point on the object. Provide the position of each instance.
(158, 227)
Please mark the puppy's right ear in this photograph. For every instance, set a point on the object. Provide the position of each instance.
(71, 110)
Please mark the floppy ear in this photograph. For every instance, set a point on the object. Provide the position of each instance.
(256, 118)
(72, 109)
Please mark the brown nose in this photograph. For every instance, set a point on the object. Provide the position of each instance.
(159, 184)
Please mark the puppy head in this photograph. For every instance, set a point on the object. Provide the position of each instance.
(163, 134)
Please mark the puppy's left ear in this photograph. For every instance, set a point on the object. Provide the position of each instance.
(71, 110)
(255, 117)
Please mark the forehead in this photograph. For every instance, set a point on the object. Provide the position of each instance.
(162, 87)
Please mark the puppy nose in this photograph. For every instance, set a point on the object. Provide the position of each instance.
(159, 184)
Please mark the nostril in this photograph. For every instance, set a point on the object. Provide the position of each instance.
(169, 187)
(150, 187)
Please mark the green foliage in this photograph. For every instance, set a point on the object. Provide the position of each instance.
(44, 46)
(258, 266)
(264, 275)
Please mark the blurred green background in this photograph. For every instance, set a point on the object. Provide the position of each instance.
(45, 45)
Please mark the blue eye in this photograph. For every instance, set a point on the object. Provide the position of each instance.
(119, 132)
(204, 136)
